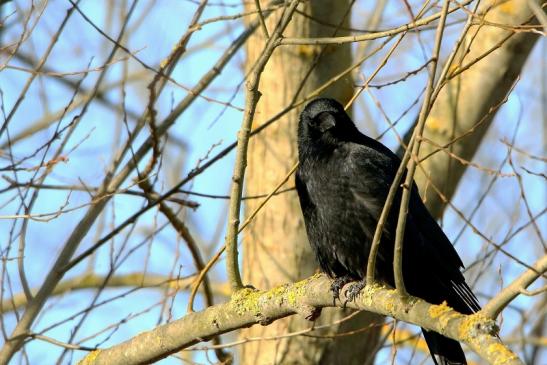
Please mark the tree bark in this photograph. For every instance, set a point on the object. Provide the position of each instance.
(276, 250)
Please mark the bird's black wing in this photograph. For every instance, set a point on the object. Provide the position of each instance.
(440, 250)
(370, 173)
(314, 227)
(373, 167)
(433, 265)
(431, 230)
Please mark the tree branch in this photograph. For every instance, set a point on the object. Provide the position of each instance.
(249, 307)
(370, 36)
(411, 167)
(506, 296)
(94, 281)
(253, 94)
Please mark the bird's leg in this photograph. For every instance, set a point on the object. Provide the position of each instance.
(353, 291)
(313, 314)
(337, 285)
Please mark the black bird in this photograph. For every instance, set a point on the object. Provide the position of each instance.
(343, 181)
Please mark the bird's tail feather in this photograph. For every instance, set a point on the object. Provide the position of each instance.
(444, 351)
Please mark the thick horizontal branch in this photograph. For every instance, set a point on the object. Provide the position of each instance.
(248, 307)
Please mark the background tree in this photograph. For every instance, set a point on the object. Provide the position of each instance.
(119, 122)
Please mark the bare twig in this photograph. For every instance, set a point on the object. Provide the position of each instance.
(253, 94)
(369, 36)
(262, 21)
(55, 37)
(509, 293)
(411, 167)
(91, 280)
(249, 219)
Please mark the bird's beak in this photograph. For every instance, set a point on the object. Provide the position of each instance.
(327, 122)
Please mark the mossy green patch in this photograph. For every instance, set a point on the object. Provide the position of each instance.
(443, 313)
(470, 326)
(502, 354)
(90, 358)
(390, 307)
(369, 291)
(297, 291)
(246, 300)
(435, 311)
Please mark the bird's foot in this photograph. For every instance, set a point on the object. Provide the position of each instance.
(337, 285)
(353, 291)
(313, 314)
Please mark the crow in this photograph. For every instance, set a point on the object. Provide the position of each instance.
(342, 181)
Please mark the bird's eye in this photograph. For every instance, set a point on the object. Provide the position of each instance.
(325, 121)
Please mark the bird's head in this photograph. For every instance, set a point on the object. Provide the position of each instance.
(323, 123)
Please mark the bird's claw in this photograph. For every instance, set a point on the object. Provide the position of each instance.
(353, 291)
(313, 314)
(336, 287)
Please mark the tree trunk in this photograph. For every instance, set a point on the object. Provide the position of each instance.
(276, 250)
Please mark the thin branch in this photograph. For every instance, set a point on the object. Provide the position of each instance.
(59, 343)
(249, 219)
(262, 20)
(93, 281)
(375, 245)
(526, 204)
(370, 36)
(247, 197)
(156, 86)
(187, 203)
(509, 293)
(411, 167)
(185, 234)
(381, 65)
(54, 38)
(272, 5)
(252, 97)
